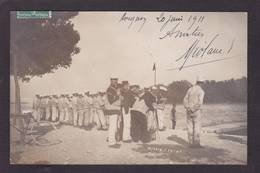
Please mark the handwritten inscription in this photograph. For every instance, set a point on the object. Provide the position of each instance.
(177, 27)
(177, 33)
(133, 20)
(166, 20)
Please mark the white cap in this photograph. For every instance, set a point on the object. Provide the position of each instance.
(200, 79)
(154, 87)
(163, 88)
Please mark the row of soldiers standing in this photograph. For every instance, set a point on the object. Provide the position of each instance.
(82, 110)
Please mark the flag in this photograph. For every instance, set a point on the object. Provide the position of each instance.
(154, 67)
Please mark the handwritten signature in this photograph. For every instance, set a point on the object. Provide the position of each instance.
(196, 50)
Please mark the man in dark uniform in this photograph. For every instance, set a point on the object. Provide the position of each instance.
(112, 106)
(127, 103)
(151, 114)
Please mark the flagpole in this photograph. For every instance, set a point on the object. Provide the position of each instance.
(154, 74)
(155, 112)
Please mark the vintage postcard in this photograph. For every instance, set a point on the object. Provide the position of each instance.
(121, 87)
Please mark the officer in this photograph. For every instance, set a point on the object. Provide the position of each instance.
(112, 105)
(193, 102)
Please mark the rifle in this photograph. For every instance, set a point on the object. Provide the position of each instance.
(156, 117)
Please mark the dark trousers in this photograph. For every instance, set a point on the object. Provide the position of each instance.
(138, 130)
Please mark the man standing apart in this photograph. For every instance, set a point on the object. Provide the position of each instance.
(193, 102)
(113, 104)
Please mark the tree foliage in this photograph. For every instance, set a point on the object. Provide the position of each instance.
(231, 91)
(177, 90)
(42, 45)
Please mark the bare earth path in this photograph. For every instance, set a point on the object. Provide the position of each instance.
(79, 146)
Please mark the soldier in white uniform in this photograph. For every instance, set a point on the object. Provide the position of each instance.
(100, 105)
(75, 109)
(54, 108)
(94, 110)
(87, 103)
(47, 108)
(81, 106)
(160, 106)
(42, 107)
(36, 107)
(66, 108)
(61, 109)
(193, 102)
(70, 110)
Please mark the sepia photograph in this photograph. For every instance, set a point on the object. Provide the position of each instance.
(128, 88)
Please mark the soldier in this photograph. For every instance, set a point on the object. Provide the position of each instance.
(127, 103)
(87, 111)
(81, 106)
(36, 107)
(92, 110)
(152, 118)
(112, 105)
(193, 102)
(100, 105)
(42, 107)
(54, 108)
(139, 128)
(48, 108)
(94, 106)
(160, 105)
(61, 108)
(66, 108)
(173, 116)
(75, 109)
(70, 110)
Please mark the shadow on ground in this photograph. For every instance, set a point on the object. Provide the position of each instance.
(181, 153)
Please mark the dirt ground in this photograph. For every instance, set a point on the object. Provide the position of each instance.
(224, 140)
(72, 145)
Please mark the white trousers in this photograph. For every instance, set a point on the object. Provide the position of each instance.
(112, 129)
(62, 115)
(101, 121)
(160, 114)
(194, 128)
(75, 117)
(66, 116)
(48, 113)
(127, 125)
(54, 113)
(81, 118)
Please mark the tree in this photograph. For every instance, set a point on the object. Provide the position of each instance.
(40, 46)
(177, 90)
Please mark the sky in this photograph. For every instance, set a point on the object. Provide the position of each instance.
(127, 44)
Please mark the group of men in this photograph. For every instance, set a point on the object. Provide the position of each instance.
(141, 111)
(82, 110)
(129, 113)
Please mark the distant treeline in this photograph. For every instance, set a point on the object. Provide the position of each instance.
(228, 91)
